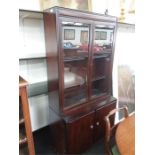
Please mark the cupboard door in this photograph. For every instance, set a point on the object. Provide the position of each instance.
(99, 120)
(101, 59)
(74, 53)
(80, 134)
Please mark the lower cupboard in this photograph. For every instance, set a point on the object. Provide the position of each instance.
(77, 134)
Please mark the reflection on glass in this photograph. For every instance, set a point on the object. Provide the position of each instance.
(103, 38)
(100, 74)
(103, 41)
(99, 87)
(75, 38)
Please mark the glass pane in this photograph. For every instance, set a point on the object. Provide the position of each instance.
(103, 39)
(100, 74)
(99, 87)
(102, 49)
(75, 38)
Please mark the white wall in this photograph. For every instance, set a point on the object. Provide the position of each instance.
(31, 32)
(124, 54)
(125, 45)
(29, 4)
(113, 7)
(101, 6)
(32, 45)
(124, 51)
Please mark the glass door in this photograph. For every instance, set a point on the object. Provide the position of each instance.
(101, 59)
(75, 44)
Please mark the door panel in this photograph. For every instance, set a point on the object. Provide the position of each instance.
(80, 134)
(101, 59)
(75, 47)
(99, 120)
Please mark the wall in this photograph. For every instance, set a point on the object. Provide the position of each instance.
(32, 45)
(126, 63)
(29, 4)
(31, 32)
(111, 5)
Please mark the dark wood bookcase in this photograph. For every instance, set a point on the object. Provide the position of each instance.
(80, 48)
(26, 144)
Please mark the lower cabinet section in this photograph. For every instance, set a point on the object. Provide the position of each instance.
(75, 135)
(80, 134)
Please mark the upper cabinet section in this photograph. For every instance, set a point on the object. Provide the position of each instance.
(81, 45)
(75, 36)
(81, 14)
(75, 43)
(103, 39)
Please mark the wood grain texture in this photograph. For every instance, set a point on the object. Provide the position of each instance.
(80, 134)
(26, 114)
(125, 136)
(75, 134)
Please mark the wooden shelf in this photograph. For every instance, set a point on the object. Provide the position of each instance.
(78, 58)
(101, 56)
(32, 58)
(98, 78)
(30, 14)
(68, 59)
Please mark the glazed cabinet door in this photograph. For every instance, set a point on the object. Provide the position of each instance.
(80, 134)
(74, 53)
(102, 47)
(99, 120)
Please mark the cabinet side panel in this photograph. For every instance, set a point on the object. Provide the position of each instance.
(52, 59)
(58, 137)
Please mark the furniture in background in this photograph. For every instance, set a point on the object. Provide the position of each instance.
(26, 145)
(125, 136)
(120, 138)
(79, 77)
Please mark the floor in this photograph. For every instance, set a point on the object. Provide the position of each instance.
(42, 144)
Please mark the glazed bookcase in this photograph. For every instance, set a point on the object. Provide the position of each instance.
(80, 49)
